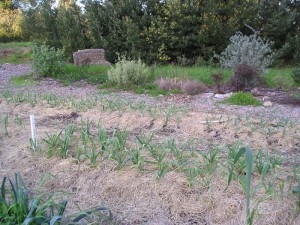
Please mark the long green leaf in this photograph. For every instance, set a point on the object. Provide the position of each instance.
(3, 188)
(55, 219)
(249, 164)
(236, 158)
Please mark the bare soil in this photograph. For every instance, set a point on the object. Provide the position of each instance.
(139, 198)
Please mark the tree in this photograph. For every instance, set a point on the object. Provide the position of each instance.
(10, 21)
(280, 23)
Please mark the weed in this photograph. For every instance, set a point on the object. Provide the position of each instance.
(241, 98)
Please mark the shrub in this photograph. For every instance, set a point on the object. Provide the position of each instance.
(169, 84)
(250, 50)
(296, 75)
(241, 98)
(190, 87)
(129, 72)
(218, 78)
(244, 76)
(46, 60)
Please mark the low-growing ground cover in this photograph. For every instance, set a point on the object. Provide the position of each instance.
(240, 98)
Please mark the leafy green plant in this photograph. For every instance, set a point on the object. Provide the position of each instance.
(118, 148)
(177, 152)
(145, 140)
(247, 179)
(210, 159)
(137, 158)
(64, 148)
(129, 72)
(92, 155)
(46, 60)
(241, 98)
(19, 206)
(53, 143)
(191, 173)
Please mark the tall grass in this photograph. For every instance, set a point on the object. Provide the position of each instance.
(94, 74)
(200, 73)
(271, 74)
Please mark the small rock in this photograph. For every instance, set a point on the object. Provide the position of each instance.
(209, 95)
(266, 98)
(220, 96)
(268, 104)
(255, 91)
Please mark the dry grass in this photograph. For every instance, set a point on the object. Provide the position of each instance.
(190, 87)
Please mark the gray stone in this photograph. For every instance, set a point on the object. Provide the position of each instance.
(268, 104)
(223, 96)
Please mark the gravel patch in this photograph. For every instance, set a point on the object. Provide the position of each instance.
(205, 102)
(7, 71)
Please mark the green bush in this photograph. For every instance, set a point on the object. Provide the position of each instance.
(46, 60)
(129, 72)
(296, 75)
(241, 98)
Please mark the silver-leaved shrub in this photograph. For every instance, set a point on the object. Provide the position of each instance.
(248, 50)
